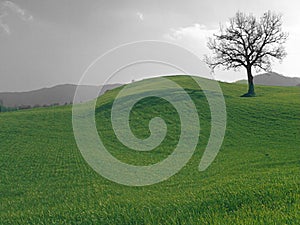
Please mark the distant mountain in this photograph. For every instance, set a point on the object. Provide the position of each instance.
(274, 79)
(57, 95)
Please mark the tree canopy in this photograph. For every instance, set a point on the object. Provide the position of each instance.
(248, 42)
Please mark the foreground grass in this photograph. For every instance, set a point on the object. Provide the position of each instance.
(254, 179)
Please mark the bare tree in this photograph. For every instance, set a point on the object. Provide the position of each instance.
(248, 42)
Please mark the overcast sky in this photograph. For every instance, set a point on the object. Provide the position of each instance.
(49, 42)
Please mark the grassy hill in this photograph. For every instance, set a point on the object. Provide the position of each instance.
(254, 179)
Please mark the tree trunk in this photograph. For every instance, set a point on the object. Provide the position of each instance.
(251, 92)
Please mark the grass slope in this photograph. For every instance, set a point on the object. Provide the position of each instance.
(254, 179)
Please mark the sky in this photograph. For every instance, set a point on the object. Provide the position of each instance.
(50, 42)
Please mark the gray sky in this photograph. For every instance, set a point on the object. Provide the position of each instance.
(49, 42)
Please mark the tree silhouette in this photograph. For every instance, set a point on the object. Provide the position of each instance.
(248, 42)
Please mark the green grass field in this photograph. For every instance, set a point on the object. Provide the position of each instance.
(255, 179)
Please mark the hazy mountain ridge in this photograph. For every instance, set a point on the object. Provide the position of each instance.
(274, 79)
(59, 95)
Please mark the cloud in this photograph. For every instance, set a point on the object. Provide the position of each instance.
(4, 27)
(9, 8)
(194, 30)
(193, 37)
(197, 32)
(140, 16)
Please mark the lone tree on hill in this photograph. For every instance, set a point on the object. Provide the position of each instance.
(248, 42)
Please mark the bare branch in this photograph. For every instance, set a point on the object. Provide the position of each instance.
(248, 42)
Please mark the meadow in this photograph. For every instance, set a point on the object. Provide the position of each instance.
(255, 178)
